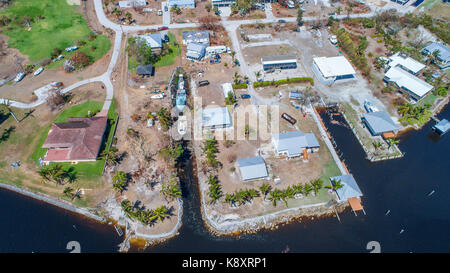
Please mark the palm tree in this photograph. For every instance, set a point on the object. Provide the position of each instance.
(252, 193)
(258, 74)
(110, 156)
(377, 144)
(317, 185)
(236, 78)
(298, 188)
(307, 189)
(171, 190)
(7, 104)
(404, 109)
(392, 141)
(230, 198)
(265, 189)
(338, 10)
(161, 212)
(335, 185)
(127, 208)
(119, 181)
(275, 196)
(68, 192)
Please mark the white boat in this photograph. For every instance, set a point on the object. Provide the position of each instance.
(38, 71)
(19, 77)
(157, 96)
(72, 48)
(369, 107)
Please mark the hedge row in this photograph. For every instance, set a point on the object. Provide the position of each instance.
(241, 85)
(285, 81)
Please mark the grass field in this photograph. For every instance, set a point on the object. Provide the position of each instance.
(169, 59)
(59, 27)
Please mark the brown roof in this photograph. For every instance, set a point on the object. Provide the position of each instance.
(78, 138)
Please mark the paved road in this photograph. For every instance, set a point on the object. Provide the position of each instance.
(231, 27)
(166, 14)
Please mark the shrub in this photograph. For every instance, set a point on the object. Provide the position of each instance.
(241, 85)
(285, 81)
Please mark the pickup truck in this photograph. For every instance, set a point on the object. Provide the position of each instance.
(203, 83)
(289, 119)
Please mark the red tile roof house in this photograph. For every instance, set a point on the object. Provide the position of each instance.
(76, 140)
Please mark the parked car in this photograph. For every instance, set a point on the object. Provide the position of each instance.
(159, 12)
(58, 58)
(162, 28)
(166, 8)
(38, 71)
(245, 96)
(203, 83)
(281, 21)
(290, 119)
(333, 39)
(19, 77)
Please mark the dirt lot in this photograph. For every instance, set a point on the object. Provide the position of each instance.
(141, 14)
(191, 15)
(254, 14)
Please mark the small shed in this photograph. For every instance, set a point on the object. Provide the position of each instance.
(145, 70)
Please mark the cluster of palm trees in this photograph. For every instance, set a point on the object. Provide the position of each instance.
(210, 149)
(171, 190)
(69, 193)
(120, 181)
(215, 190)
(237, 78)
(413, 113)
(241, 197)
(110, 156)
(57, 173)
(291, 191)
(146, 217)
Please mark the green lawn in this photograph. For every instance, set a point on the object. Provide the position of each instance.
(61, 26)
(170, 58)
(86, 170)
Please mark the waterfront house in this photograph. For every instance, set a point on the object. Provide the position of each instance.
(145, 70)
(380, 123)
(295, 143)
(349, 191)
(196, 36)
(222, 3)
(443, 55)
(214, 118)
(333, 69)
(77, 140)
(252, 168)
(408, 83)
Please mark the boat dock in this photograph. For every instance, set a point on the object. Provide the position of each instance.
(441, 127)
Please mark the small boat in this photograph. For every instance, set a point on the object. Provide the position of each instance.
(19, 77)
(157, 96)
(38, 71)
(369, 107)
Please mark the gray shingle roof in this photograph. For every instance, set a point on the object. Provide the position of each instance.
(145, 69)
(294, 142)
(252, 168)
(380, 122)
(350, 187)
(444, 52)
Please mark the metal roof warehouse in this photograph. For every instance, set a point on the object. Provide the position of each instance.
(288, 61)
(331, 69)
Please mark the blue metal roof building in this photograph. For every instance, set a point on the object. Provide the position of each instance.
(349, 188)
(379, 122)
(252, 168)
(292, 143)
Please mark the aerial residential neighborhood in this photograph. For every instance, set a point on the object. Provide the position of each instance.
(156, 118)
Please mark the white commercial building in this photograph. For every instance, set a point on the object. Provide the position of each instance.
(214, 118)
(408, 83)
(406, 63)
(332, 69)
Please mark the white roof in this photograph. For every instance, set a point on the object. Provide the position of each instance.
(227, 88)
(408, 81)
(334, 66)
(218, 117)
(408, 63)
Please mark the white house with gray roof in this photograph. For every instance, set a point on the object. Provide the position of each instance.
(252, 168)
(153, 40)
(443, 54)
(184, 4)
(406, 63)
(195, 51)
(293, 143)
(379, 122)
(215, 118)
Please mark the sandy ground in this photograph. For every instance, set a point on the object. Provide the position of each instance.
(142, 16)
(191, 15)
